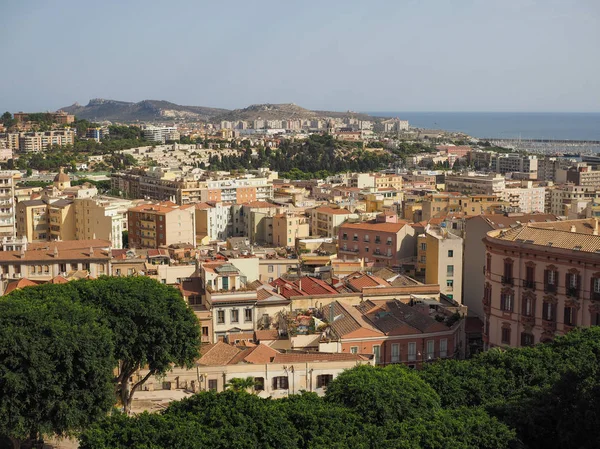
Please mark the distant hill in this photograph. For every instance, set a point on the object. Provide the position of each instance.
(99, 109)
(287, 111)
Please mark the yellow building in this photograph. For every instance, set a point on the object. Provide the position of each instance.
(61, 217)
(101, 218)
(32, 220)
(384, 200)
(443, 261)
(287, 227)
(325, 221)
(388, 181)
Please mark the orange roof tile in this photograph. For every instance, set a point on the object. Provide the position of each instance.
(374, 226)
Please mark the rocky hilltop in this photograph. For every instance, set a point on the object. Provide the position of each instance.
(99, 109)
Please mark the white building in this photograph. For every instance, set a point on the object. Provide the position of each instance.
(444, 261)
(161, 134)
(525, 199)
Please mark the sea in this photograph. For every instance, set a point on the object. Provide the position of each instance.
(508, 125)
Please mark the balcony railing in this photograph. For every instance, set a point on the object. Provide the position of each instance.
(595, 296)
(349, 250)
(507, 280)
(527, 283)
(550, 288)
(573, 292)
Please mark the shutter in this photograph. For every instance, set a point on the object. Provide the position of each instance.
(523, 339)
(592, 288)
(567, 283)
(556, 279)
(579, 286)
(545, 311)
(545, 278)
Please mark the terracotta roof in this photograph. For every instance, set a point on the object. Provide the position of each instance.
(217, 354)
(203, 206)
(550, 238)
(259, 204)
(268, 335)
(314, 286)
(357, 281)
(261, 354)
(292, 357)
(390, 316)
(70, 244)
(374, 226)
(347, 319)
(58, 280)
(502, 221)
(17, 285)
(160, 208)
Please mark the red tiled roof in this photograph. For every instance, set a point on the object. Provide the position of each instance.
(374, 226)
(268, 334)
(315, 357)
(314, 286)
(17, 285)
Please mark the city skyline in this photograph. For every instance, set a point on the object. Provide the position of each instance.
(510, 57)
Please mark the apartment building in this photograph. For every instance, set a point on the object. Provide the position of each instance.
(443, 261)
(102, 217)
(476, 228)
(385, 240)
(388, 182)
(541, 280)
(61, 220)
(515, 163)
(525, 198)
(442, 204)
(254, 220)
(214, 221)
(32, 220)
(287, 227)
(8, 179)
(384, 199)
(60, 117)
(34, 142)
(325, 221)
(162, 224)
(583, 175)
(473, 184)
(569, 199)
(160, 134)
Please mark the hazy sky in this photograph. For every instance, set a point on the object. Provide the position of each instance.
(396, 55)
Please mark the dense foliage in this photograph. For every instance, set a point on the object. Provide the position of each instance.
(56, 361)
(151, 325)
(317, 152)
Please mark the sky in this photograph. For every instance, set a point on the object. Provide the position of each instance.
(395, 55)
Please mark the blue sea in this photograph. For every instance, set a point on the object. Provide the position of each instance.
(508, 125)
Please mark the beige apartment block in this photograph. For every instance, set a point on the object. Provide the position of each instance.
(163, 224)
(8, 179)
(473, 184)
(61, 218)
(325, 221)
(288, 227)
(444, 261)
(33, 220)
(101, 218)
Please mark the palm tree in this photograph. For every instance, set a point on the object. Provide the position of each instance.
(239, 384)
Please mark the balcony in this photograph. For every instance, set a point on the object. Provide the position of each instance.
(573, 292)
(507, 280)
(549, 325)
(348, 250)
(530, 284)
(550, 288)
(528, 320)
(595, 296)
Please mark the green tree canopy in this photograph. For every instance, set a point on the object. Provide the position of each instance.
(56, 362)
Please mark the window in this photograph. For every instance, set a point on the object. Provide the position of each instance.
(506, 335)
(569, 316)
(366, 239)
(377, 239)
(353, 349)
(528, 306)
(450, 270)
(595, 289)
(444, 347)
(423, 246)
(280, 383)
(573, 283)
(377, 353)
(506, 301)
(430, 349)
(595, 319)
(247, 315)
(366, 249)
(423, 259)
(344, 236)
(412, 352)
(225, 283)
(488, 264)
(389, 241)
(550, 280)
(355, 238)
(450, 283)
(235, 315)
(526, 339)
(548, 311)
(221, 317)
(270, 268)
(259, 383)
(487, 294)
(508, 272)
(530, 277)
(212, 385)
(450, 253)
(323, 380)
(270, 280)
(395, 353)
(205, 331)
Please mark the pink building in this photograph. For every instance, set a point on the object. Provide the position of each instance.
(385, 240)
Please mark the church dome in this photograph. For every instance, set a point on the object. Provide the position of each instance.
(62, 177)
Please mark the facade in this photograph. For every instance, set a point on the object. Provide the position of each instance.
(541, 280)
(567, 199)
(444, 261)
(214, 220)
(526, 199)
(32, 220)
(288, 227)
(34, 142)
(442, 204)
(273, 268)
(584, 176)
(325, 221)
(385, 240)
(61, 218)
(163, 224)
(515, 163)
(7, 202)
(476, 228)
(160, 134)
(487, 185)
(103, 218)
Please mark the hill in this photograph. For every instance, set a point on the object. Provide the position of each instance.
(287, 111)
(99, 109)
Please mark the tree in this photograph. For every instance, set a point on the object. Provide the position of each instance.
(56, 362)
(382, 394)
(239, 384)
(152, 326)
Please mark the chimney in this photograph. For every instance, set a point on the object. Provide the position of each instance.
(331, 313)
(91, 251)
(22, 252)
(573, 228)
(55, 251)
(595, 226)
